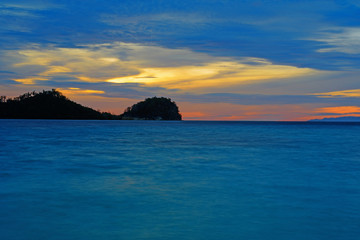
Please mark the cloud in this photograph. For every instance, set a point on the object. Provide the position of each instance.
(263, 29)
(33, 5)
(353, 93)
(344, 40)
(163, 19)
(339, 110)
(19, 16)
(16, 13)
(263, 99)
(87, 64)
(151, 66)
(331, 112)
(78, 91)
(209, 76)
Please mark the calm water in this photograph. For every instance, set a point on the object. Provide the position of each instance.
(179, 180)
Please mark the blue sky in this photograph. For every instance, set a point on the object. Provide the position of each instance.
(230, 60)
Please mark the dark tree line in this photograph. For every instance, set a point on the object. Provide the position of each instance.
(156, 108)
(53, 105)
(46, 105)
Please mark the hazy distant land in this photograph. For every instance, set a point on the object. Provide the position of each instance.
(337, 119)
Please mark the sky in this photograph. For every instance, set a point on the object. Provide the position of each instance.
(278, 60)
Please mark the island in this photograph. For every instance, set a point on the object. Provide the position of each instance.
(54, 105)
(337, 119)
(156, 108)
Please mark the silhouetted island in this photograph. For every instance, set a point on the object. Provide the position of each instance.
(54, 105)
(156, 108)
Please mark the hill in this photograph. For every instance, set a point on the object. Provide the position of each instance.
(47, 105)
(156, 108)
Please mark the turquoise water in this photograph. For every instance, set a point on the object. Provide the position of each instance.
(179, 180)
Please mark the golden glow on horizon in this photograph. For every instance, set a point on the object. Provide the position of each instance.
(330, 112)
(191, 115)
(233, 112)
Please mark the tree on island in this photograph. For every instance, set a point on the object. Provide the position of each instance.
(46, 105)
(156, 108)
(53, 105)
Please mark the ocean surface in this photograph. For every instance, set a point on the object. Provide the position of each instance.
(62, 179)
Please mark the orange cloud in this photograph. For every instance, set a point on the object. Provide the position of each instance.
(331, 112)
(339, 110)
(77, 91)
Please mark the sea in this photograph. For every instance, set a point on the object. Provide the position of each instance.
(179, 180)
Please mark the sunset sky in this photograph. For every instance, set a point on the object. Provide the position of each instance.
(218, 59)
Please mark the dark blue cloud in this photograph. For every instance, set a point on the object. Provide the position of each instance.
(280, 31)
